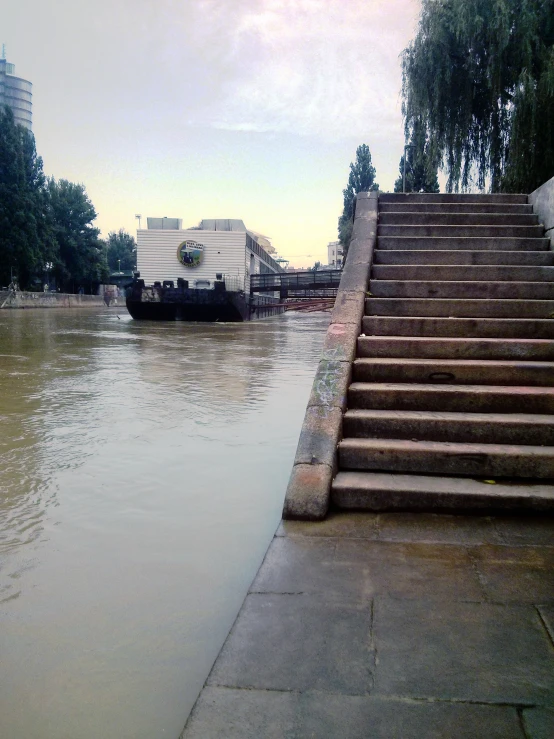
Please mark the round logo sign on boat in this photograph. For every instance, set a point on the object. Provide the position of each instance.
(190, 253)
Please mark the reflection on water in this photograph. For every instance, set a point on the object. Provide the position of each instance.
(143, 468)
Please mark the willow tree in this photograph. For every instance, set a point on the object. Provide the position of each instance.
(480, 74)
(420, 168)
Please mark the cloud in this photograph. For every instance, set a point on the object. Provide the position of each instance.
(328, 68)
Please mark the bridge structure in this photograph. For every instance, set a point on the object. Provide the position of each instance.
(320, 284)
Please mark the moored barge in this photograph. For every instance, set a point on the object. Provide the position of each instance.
(200, 274)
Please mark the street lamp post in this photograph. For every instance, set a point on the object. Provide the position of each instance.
(119, 265)
(139, 216)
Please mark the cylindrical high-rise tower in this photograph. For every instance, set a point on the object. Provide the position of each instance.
(17, 94)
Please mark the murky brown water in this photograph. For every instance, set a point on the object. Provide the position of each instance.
(143, 469)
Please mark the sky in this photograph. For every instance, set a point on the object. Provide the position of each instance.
(197, 109)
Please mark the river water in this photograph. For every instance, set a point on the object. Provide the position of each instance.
(143, 469)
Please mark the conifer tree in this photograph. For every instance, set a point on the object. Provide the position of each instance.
(360, 179)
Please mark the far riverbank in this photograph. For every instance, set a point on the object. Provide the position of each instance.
(21, 299)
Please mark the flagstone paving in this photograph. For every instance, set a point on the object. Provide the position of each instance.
(391, 625)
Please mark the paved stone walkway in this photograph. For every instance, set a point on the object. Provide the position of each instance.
(391, 626)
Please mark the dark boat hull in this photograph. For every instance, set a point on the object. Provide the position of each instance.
(180, 304)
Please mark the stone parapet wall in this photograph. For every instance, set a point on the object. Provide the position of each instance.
(315, 464)
(542, 200)
(50, 300)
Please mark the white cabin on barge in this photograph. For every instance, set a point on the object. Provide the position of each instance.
(228, 251)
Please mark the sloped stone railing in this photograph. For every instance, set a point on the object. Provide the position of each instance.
(315, 465)
(542, 200)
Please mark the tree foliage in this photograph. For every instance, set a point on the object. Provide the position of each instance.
(121, 251)
(81, 259)
(46, 227)
(22, 206)
(360, 179)
(480, 75)
(421, 168)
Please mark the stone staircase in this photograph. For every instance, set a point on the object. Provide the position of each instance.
(451, 403)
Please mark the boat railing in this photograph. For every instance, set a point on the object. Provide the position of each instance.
(234, 283)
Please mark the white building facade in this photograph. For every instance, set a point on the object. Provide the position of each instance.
(334, 254)
(228, 251)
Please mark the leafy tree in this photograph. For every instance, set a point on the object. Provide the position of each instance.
(121, 251)
(26, 241)
(81, 261)
(360, 179)
(42, 221)
(315, 268)
(480, 75)
(421, 171)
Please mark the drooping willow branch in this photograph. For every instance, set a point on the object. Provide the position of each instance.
(480, 76)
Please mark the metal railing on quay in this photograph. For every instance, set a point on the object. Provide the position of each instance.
(295, 280)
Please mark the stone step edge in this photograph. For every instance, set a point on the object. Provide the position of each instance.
(373, 322)
(457, 339)
(450, 416)
(453, 347)
(467, 204)
(454, 447)
(462, 459)
(426, 362)
(525, 283)
(463, 243)
(438, 252)
(466, 301)
(447, 388)
(381, 491)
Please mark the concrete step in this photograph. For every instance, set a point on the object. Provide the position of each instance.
(456, 348)
(381, 491)
(484, 207)
(462, 289)
(487, 428)
(443, 256)
(457, 219)
(420, 197)
(460, 308)
(446, 458)
(456, 398)
(463, 243)
(469, 231)
(448, 371)
(462, 273)
(485, 328)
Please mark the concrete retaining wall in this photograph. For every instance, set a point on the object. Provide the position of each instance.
(542, 201)
(315, 464)
(51, 300)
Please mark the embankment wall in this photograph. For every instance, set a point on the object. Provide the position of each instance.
(542, 200)
(50, 300)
